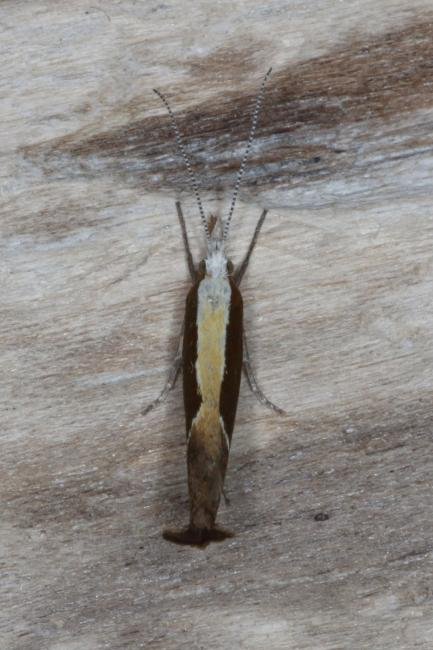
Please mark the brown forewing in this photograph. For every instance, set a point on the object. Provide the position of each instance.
(233, 357)
(191, 396)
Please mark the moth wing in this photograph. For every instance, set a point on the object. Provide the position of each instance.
(233, 361)
(191, 397)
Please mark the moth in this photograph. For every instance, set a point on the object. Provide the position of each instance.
(212, 352)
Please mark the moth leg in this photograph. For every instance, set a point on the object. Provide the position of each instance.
(252, 382)
(189, 258)
(171, 379)
(177, 363)
(239, 273)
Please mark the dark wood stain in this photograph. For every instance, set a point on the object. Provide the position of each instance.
(363, 80)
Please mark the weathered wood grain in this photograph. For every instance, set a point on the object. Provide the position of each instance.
(332, 506)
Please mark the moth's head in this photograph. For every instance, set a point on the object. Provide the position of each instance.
(215, 264)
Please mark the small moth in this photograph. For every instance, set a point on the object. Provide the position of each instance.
(212, 352)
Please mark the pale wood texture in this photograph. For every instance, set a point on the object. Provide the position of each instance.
(339, 312)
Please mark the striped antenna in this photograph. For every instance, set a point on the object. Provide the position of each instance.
(187, 162)
(247, 151)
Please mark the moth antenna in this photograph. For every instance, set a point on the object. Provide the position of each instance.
(247, 151)
(186, 161)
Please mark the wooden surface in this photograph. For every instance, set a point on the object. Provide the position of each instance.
(332, 505)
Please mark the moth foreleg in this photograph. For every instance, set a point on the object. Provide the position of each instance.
(252, 381)
(171, 379)
(189, 258)
(239, 273)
